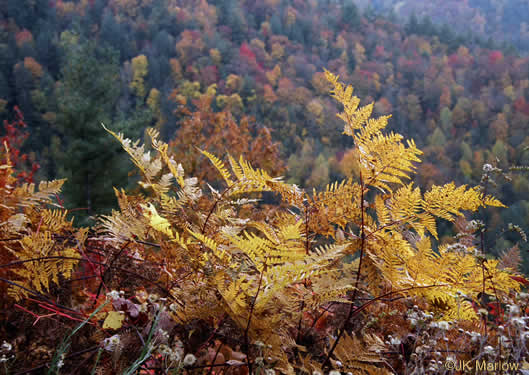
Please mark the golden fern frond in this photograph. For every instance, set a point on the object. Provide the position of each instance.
(427, 221)
(163, 225)
(170, 204)
(382, 211)
(149, 168)
(384, 159)
(44, 262)
(447, 201)
(345, 96)
(176, 169)
(463, 310)
(235, 297)
(422, 260)
(55, 220)
(237, 171)
(359, 119)
(291, 231)
(511, 258)
(251, 180)
(362, 356)
(406, 202)
(284, 242)
(212, 245)
(279, 277)
(258, 249)
(496, 279)
(217, 163)
(267, 230)
(338, 204)
(290, 194)
(492, 201)
(123, 226)
(327, 254)
(128, 205)
(27, 196)
(373, 127)
(461, 267)
(332, 293)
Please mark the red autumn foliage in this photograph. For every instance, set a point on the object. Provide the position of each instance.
(495, 56)
(23, 37)
(12, 141)
(453, 60)
(379, 51)
(521, 105)
(246, 53)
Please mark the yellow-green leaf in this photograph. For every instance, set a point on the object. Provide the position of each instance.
(114, 320)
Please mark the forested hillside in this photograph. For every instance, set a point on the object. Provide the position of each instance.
(259, 187)
(502, 21)
(69, 66)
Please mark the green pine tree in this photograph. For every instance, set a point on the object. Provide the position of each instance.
(89, 158)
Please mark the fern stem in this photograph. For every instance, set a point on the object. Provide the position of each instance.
(307, 251)
(484, 318)
(482, 246)
(214, 206)
(246, 340)
(498, 304)
(355, 291)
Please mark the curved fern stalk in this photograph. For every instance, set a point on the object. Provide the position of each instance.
(247, 330)
(326, 362)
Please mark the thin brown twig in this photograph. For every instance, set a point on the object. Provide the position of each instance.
(214, 359)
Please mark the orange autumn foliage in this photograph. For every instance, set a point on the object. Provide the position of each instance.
(220, 133)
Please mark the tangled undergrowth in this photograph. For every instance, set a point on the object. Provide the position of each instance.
(255, 275)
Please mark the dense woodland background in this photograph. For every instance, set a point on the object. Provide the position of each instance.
(460, 90)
